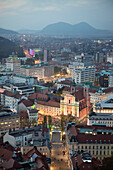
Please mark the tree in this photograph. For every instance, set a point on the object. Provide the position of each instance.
(33, 122)
(49, 122)
(30, 61)
(45, 121)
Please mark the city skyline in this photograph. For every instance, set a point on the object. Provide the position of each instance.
(36, 15)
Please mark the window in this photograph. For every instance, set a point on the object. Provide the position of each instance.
(93, 147)
(85, 147)
(89, 147)
(100, 147)
(96, 152)
(97, 147)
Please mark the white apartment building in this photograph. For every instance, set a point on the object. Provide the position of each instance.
(38, 71)
(13, 64)
(101, 118)
(17, 78)
(83, 74)
(10, 99)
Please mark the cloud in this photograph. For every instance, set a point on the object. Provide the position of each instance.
(10, 5)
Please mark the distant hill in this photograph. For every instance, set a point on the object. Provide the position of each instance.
(4, 31)
(27, 31)
(80, 29)
(7, 47)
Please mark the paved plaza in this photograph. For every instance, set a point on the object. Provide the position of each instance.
(58, 160)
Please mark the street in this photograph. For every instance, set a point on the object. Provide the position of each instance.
(58, 161)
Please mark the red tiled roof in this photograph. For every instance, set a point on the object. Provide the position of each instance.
(84, 165)
(108, 90)
(40, 160)
(32, 151)
(5, 154)
(73, 130)
(49, 103)
(38, 96)
(10, 94)
(23, 114)
(79, 95)
(27, 103)
(66, 82)
(7, 146)
(92, 90)
(82, 138)
(10, 164)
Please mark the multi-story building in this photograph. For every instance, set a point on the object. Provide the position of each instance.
(100, 118)
(33, 115)
(83, 160)
(82, 72)
(82, 69)
(45, 56)
(100, 95)
(20, 88)
(49, 108)
(39, 70)
(105, 106)
(96, 140)
(77, 104)
(17, 78)
(13, 64)
(66, 83)
(106, 78)
(8, 121)
(10, 99)
(27, 138)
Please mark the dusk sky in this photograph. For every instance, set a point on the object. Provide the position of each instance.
(36, 14)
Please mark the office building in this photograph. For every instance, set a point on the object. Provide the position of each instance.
(96, 140)
(8, 121)
(45, 56)
(13, 64)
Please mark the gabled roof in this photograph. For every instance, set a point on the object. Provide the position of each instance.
(10, 94)
(27, 103)
(5, 154)
(38, 96)
(10, 164)
(40, 159)
(49, 103)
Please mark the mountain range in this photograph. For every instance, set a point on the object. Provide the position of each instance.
(82, 29)
(4, 31)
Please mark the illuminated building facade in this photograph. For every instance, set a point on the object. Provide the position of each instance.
(96, 140)
(77, 105)
(13, 64)
(38, 71)
(69, 106)
(10, 99)
(8, 121)
(49, 108)
(105, 106)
